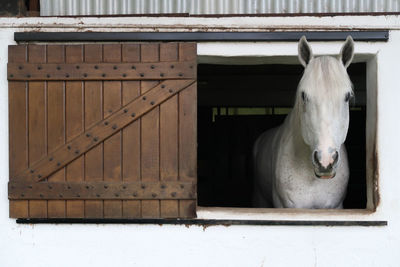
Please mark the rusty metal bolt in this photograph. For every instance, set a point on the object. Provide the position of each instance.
(103, 75)
(114, 127)
(60, 195)
(28, 75)
(163, 86)
(41, 195)
(58, 68)
(77, 152)
(116, 194)
(172, 66)
(106, 123)
(173, 194)
(133, 67)
(124, 75)
(69, 147)
(32, 171)
(143, 186)
(67, 75)
(154, 195)
(180, 74)
(51, 159)
(39, 176)
(95, 139)
(171, 91)
(115, 67)
(161, 74)
(11, 75)
(144, 98)
(20, 67)
(152, 103)
(58, 163)
(88, 135)
(134, 194)
(163, 186)
(133, 115)
(87, 187)
(39, 67)
(48, 75)
(96, 67)
(124, 187)
(125, 110)
(77, 67)
(141, 74)
(105, 186)
(85, 75)
(152, 67)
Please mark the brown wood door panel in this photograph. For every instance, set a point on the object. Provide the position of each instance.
(127, 132)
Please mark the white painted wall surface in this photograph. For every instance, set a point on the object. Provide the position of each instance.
(168, 245)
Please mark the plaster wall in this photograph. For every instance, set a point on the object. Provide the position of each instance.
(169, 245)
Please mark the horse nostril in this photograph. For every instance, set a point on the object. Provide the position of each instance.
(335, 158)
(316, 158)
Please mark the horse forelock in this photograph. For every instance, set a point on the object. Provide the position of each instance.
(325, 77)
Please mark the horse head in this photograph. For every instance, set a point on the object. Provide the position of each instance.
(322, 104)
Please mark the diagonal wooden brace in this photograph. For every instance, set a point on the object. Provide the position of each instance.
(102, 130)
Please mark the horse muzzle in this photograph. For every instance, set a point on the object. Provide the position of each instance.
(328, 171)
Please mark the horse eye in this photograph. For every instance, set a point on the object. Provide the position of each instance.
(347, 97)
(304, 97)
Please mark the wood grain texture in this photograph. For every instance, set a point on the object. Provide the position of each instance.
(37, 124)
(169, 136)
(56, 125)
(74, 126)
(131, 135)
(188, 133)
(150, 136)
(93, 114)
(112, 145)
(18, 137)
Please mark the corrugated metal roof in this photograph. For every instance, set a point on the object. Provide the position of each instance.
(212, 7)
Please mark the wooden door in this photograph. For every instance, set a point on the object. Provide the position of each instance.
(102, 130)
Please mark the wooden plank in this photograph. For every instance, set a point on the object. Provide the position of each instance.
(112, 145)
(106, 71)
(18, 132)
(188, 133)
(93, 114)
(102, 130)
(37, 124)
(55, 126)
(74, 126)
(150, 136)
(169, 137)
(115, 190)
(131, 135)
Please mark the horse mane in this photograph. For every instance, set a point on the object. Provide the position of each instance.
(324, 76)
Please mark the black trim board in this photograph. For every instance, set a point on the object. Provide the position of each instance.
(203, 222)
(198, 36)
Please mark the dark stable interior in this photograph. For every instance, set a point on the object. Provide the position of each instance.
(236, 103)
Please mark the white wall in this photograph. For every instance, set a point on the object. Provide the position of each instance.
(168, 245)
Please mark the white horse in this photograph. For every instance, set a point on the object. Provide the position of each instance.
(303, 163)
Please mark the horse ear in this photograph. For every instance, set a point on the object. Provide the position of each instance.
(347, 52)
(305, 52)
